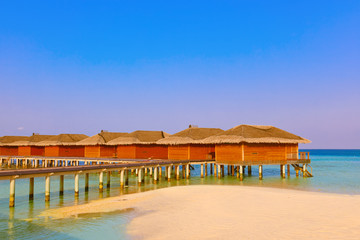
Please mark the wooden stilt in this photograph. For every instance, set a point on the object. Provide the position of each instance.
(183, 171)
(177, 168)
(151, 171)
(61, 189)
(31, 189)
(241, 171)
(101, 181)
(12, 193)
(228, 169)
(260, 172)
(47, 188)
(187, 171)
(211, 168)
(202, 170)
(283, 171)
(219, 170)
(122, 178)
(108, 179)
(155, 174)
(206, 169)
(126, 177)
(76, 184)
(86, 182)
(169, 173)
(222, 170)
(139, 172)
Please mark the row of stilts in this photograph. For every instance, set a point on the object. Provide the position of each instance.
(154, 172)
(35, 163)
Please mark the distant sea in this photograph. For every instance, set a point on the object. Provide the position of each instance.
(335, 171)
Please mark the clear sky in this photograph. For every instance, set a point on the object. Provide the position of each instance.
(83, 66)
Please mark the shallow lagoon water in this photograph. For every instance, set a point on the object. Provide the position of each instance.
(335, 171)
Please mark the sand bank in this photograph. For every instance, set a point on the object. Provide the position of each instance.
(224, 212)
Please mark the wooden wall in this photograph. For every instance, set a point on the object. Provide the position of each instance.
(256, 152)
(72, 151)
(126, 151)
(151, 151)
(178, 152)
(9, 150)
(24, 151)
(37, 151)
(51, 151)
(107, 151)
(92, 151)
(229, 153)
(201, 152)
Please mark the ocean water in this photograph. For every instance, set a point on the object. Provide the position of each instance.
(335, 171)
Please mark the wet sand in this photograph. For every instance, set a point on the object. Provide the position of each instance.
(224, 212)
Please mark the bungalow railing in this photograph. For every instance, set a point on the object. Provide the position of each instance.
(304, 155)
(300, 155)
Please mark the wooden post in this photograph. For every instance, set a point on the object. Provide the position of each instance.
(241, 172)
(61, 191)
(206, 170)
(211, 168)
(151, 171)
(297, 172)
(183, 171)
(222, 170)
(283, 171)
(122, 178)
(76, 184)
(177, 169)
(169, 174)
(146, 171)
(47, 188)
(166, 171)
(31, 188)
(108, 179)
(202, 170)
(219, 170)
(101, 181)
(288, 170)
(160, 172)
(86, 182)
(229, 171)
(12, 193)
(260, 172)
(304, 170)
(155, 174)
(126, 177)
(187, 171)
(139, 176)
(143, 175)
(232, 170)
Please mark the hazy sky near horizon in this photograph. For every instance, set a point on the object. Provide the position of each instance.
(83, 66)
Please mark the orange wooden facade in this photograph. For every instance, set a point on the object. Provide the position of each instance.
(256, 152)
(37, 151)
(145, 151)
(64, 151)
(100, 151)
(9, 150)
(191, 152)
(142, 151)
(24, 151)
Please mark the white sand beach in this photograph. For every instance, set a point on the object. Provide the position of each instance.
(224, 212)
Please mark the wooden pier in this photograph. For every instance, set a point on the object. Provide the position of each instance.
(49, 167)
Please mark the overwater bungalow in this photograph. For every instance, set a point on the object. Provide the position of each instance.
(63, 145)
(141, 145)
(255, 144)
(6, 146)
(95, 146)
(187, 145)
(27, 147)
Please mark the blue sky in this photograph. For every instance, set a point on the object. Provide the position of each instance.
(83, 66)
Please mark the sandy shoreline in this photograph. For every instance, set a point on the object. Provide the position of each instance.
(221, 212)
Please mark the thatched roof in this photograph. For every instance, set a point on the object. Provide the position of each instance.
(139, 137)
(62, 139)
(30, 141)
(7, 140)
(255, 134)
(190, 135)
(101, 138)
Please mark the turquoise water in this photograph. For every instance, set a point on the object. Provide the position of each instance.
(336, 171)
